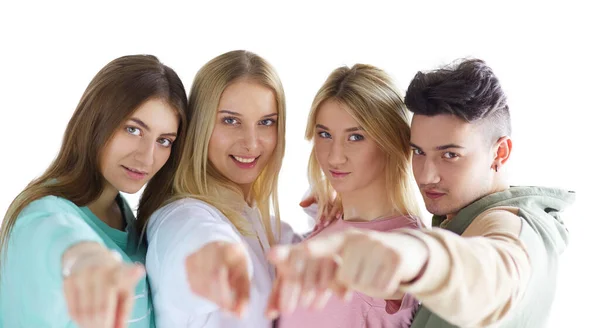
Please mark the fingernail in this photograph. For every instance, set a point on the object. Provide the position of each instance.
(307, 298)
(242, 311)
(323, 299)
(348, 296)
(281, 253)
(272, 315)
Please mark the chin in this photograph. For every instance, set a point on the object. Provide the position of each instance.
(436, 210)
(341, 188)
(443, 211)
(130, 189)
(243, 180)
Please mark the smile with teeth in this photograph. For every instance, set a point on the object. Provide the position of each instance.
(244, 159)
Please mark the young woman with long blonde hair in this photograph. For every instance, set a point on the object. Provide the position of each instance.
(208, 244)
(361, 158)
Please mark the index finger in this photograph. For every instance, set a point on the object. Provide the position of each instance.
(272, 311)
(240, 283)
(128, 277)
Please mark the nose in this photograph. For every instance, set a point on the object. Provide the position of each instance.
(428, 172)
(250, 139)
(145, 152)
(337, 156)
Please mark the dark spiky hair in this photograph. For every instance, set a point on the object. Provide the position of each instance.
(468, 89)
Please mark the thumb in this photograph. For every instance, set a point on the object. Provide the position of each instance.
(234, 254)
(327, 246)
(131, 275)
(279, 254)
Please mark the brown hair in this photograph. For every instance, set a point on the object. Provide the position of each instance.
(112, 96)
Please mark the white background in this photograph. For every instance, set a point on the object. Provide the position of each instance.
(545, 55)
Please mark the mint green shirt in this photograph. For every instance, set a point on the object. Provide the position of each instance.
(31, 285)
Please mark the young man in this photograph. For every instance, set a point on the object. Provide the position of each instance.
(492, 256)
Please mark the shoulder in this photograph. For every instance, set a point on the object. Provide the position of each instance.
(49, 204)
(186, 206)
(410, 221)
(390, 223)
(497, 220)
(183, 211)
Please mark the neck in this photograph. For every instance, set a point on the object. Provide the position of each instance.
(367, 204)
(498, 187)
(246, 191)
(501, 186)
(107, 209)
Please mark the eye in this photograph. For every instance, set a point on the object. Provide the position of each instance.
(230, 121)
(418, 152)
(133, 130)
(165, 142)
(324, 135)
(450, 155)
(268, 122)
(356, 137)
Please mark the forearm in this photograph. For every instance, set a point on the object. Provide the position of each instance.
(472, 281)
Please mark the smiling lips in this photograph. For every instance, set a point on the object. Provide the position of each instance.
(244, 162)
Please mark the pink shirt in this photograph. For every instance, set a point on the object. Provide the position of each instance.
(362, 310)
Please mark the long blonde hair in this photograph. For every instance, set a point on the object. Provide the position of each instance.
(196, 177)
(376, 104)
(110, 99)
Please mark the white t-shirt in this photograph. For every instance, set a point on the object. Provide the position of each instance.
(184, 226)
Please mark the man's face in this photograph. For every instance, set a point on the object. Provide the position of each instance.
(452, 162)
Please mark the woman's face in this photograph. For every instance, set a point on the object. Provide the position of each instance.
(245, 132)
(140, 147)
(349, 157)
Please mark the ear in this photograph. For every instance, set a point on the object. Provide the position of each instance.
(502, 151)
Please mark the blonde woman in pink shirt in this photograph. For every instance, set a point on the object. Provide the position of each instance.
(361, 157)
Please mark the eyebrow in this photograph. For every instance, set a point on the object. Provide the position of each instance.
(444, 147)
(448, 146)
(145, 126)
(238, 114)
(354, 129)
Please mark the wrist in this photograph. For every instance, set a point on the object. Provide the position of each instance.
(415, 254)
(83, 255)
